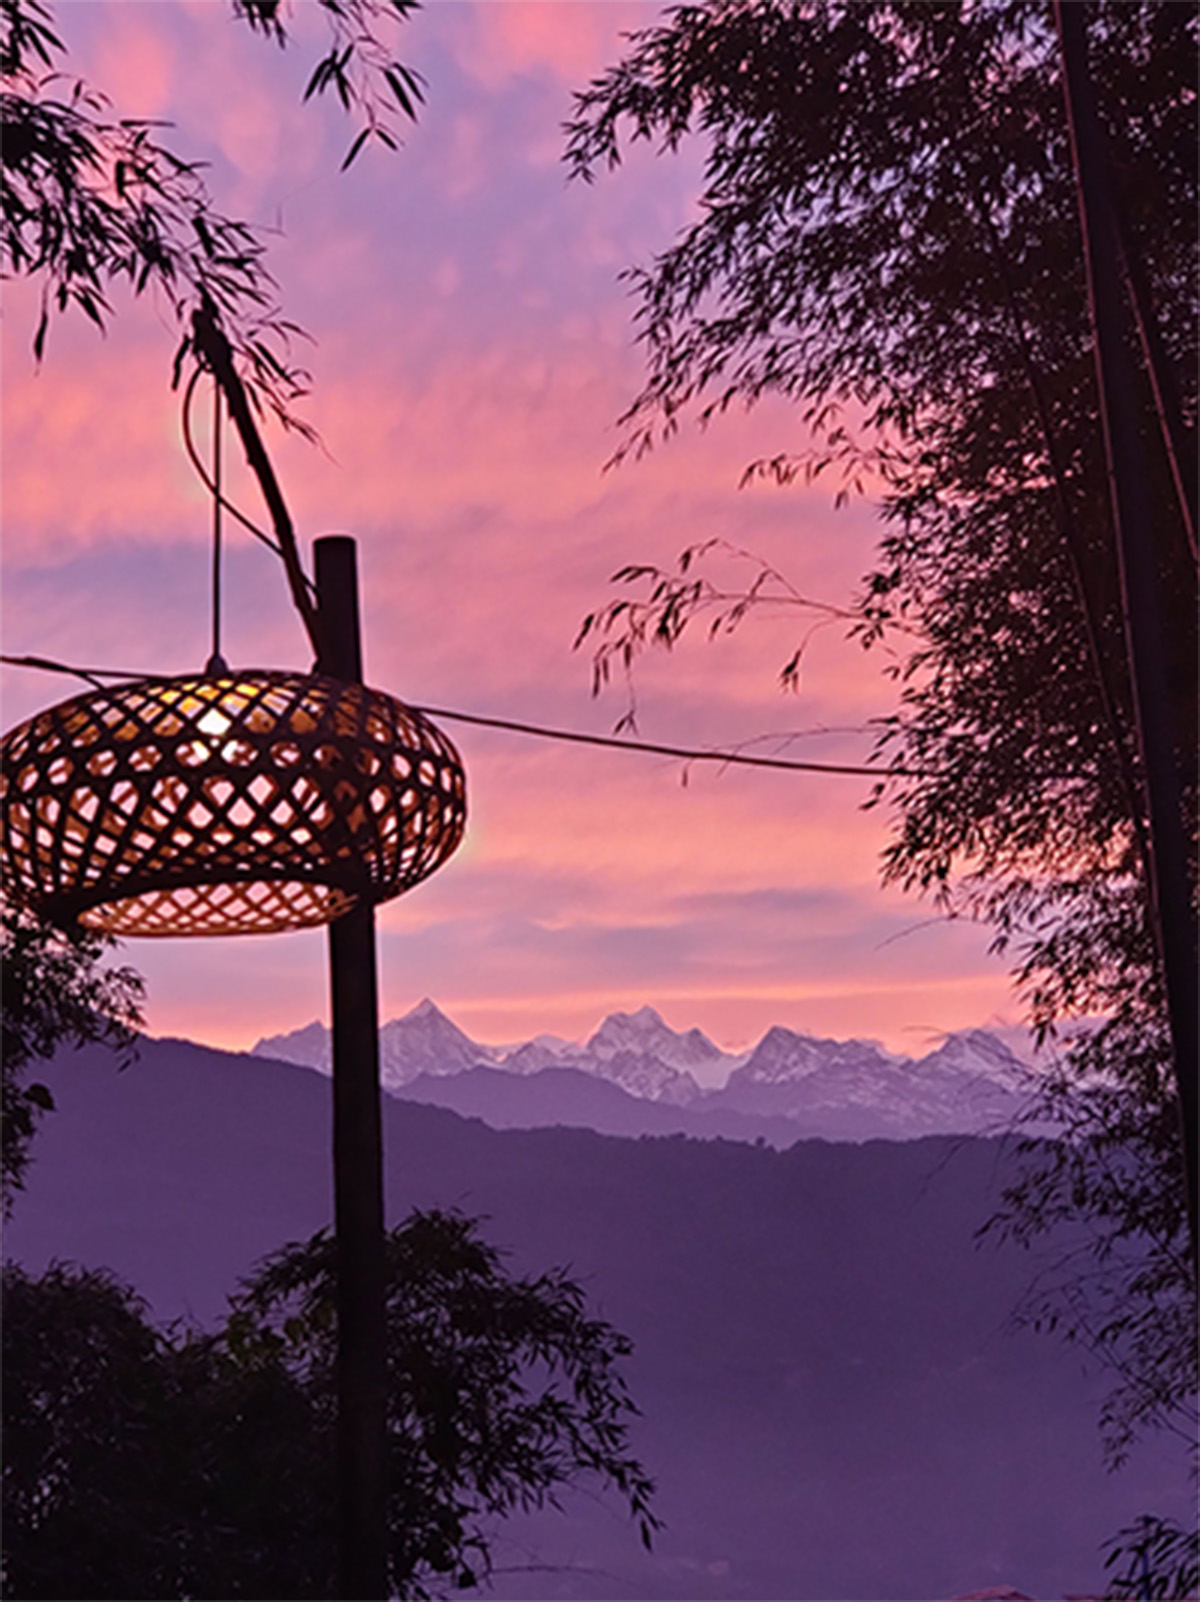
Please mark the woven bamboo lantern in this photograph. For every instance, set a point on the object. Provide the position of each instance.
(239, 803)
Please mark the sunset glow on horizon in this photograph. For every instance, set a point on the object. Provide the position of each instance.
(473, 350)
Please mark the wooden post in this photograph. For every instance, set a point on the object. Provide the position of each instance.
(357, 1163)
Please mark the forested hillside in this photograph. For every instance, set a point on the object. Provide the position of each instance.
(835, 1403)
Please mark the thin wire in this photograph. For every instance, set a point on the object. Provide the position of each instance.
(92, 676)
(686, 753)
(571, 736)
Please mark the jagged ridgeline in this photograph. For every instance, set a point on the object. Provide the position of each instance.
(637, 1075)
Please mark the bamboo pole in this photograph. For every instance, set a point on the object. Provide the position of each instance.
(1171, 887)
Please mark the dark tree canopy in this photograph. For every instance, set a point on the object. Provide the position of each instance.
(143, 1462)
(888, 234)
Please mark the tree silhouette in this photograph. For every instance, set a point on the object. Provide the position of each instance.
(148, 1462)
(889, 236)
(55, 989)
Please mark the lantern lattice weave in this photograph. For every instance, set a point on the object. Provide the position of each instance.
(239, 804)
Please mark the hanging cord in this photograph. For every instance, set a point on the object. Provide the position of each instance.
(205, 477)
(216, 663)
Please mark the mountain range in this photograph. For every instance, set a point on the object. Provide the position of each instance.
(835, 1400)
(636, 1075)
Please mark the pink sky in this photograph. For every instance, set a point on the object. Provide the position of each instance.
(473, 352)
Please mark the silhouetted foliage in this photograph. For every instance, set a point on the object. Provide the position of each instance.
(145, 1462)
(888, 235)
(54, 990)
(1155, 1560)
(90, 198)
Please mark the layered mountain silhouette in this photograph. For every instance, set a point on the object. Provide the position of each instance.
(834, 1399)
(636, 1075)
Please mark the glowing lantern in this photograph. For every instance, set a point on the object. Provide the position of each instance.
(239, 803)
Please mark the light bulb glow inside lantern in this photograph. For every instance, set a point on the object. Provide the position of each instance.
(214, 722)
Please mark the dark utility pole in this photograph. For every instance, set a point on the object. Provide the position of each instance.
(357, 1162)
(1140, 563)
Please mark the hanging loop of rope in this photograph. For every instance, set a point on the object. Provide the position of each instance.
(205, 477)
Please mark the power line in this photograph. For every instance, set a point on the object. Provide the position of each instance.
(540, 731)
(686, 753)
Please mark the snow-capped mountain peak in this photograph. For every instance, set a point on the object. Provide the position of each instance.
(970, 1082)
(644, 1034)
(425, 1041)
(980, 1055)
(309, 1047)
(783, 1056)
